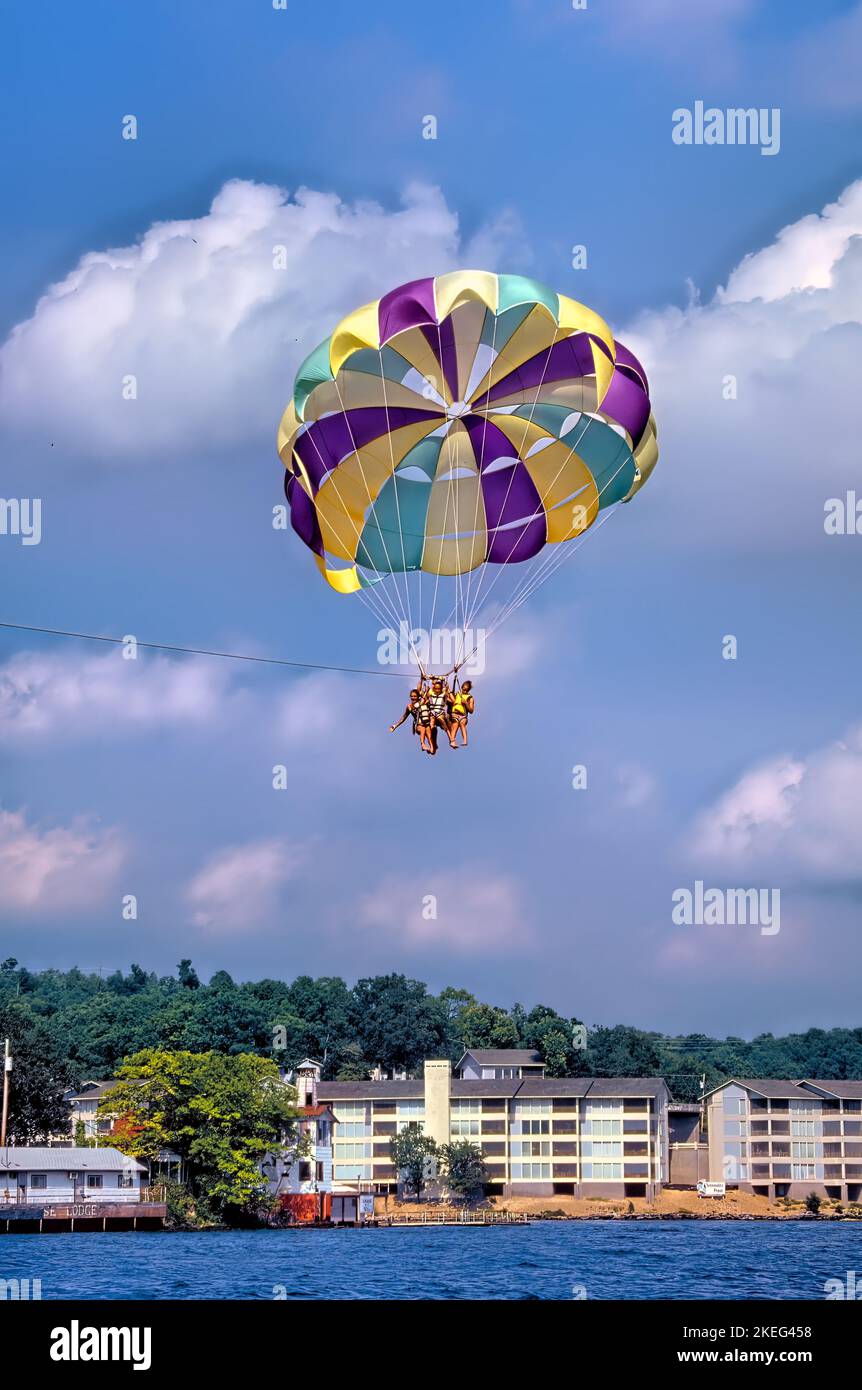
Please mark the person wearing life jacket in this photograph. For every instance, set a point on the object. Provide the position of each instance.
(417, 709)
(461, 707)
(438, 703)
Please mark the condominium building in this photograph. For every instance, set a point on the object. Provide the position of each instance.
(539, 1135)
(787, 1138)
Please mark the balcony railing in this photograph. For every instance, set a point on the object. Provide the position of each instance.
(65, 1196)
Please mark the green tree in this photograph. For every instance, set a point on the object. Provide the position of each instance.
(812, 1204)
(221, 1114)
(40, 1074)
(397, 1022)
(622, 1051)
(483, 1025)
(413, 1154)
(187, 975)
(464, 1168)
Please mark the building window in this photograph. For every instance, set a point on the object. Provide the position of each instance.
(532, 1107)
(126, 1178)
(304, 1171)
(465, 1118)
(531, 1148)
(531, 1172)
(606, 1172)
(602, 1148)
(352, 1172)
(602, 1127)
(352, 1119)
(531, 1127)
(803, 1151)
(94, 1180)
(802, 1128)
(411, 1115)
(462, 1128)
(38, 1180)
(355, 1152)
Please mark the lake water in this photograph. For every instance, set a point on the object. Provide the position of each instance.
(639, 1260)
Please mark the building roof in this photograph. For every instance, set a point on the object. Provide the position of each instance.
(843, 1090)
(29, 1158)
(553, 1086)
(366, 1090)
(491, 1087)
(90, 1089)
(504, 1056)
(612, 1086)
(510, 1087)
(766, 1086)
(313, 1112)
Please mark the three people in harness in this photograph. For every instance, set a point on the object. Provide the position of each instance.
(435, 705)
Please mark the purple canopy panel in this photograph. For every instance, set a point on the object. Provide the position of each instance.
(627, 360)
(303, 517)
(510, 495)
(407, 307)
(488, 441)
(326, 442)
(626, 403)
(441, 340)
(571, 357)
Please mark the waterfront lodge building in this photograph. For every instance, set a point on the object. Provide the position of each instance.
(579, 1136)
(618, 1137)
(593, 1136)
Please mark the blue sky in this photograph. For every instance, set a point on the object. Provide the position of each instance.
(154, 778)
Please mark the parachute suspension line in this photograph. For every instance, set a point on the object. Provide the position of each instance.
(539, 511)
(398, 514)
(551, 560)
(538, 560)
(368, 492)
(537, 580)
(551, 563)
(467, 609)
(383, 598)
(449, 501)
(512, 478)
(450, 492)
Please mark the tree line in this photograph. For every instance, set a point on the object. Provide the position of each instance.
(70, 1026)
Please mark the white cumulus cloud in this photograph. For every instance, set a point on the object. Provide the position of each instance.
(240, 887)
(466, 910)
(797, 816)
(55, 868)
(71, 696)
(212, 315)
(755, 393)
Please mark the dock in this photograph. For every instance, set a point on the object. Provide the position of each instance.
(463, 1218)
(21, 1218)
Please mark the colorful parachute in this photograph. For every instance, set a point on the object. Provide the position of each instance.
(464, 421)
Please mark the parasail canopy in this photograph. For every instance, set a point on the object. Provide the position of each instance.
(461, 423)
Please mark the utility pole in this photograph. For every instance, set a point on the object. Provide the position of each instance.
(7, 1067)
